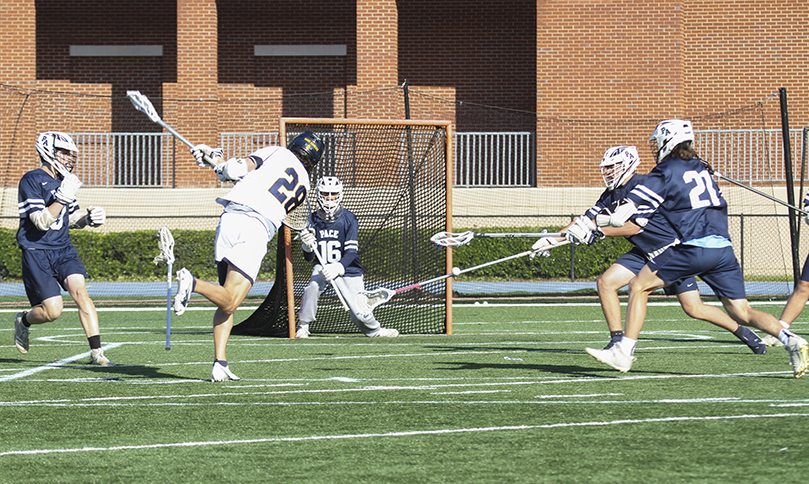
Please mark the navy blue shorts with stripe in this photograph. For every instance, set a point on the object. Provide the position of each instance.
(44, 271)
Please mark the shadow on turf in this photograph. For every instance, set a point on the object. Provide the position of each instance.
(129, 371)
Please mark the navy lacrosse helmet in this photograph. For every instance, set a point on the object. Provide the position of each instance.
(308, 145)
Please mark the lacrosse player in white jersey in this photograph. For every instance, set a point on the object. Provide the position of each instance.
(269, 183)
(50, 261)
(333, 234)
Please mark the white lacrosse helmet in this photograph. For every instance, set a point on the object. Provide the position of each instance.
(329, 194)
(618, 164)
(667, 135)
(48, 144)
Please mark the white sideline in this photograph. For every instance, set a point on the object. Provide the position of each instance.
(395, 434)
(56, 364)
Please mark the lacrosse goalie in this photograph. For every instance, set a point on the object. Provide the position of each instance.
(50, 262)
(651, 238)
(333, 234)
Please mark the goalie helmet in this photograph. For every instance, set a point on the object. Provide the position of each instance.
(329, 195)
(667, 135)
(618, 165)
(48, 145)
(309, 146)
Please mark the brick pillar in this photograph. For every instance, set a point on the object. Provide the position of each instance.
(195, 117)
(377, 55)
(18, 64)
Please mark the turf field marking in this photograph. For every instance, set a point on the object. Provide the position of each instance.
(56, 364)
(412, 433)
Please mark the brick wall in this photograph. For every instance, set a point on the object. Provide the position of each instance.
(592, 63)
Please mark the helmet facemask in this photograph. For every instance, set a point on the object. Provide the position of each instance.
(57, 150)
(618, 165)
(330, 195)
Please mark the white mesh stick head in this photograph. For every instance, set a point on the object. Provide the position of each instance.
(165, 241)
(366, 301)
(452, 239)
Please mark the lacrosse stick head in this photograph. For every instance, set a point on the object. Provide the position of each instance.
(452, 239)
(366, 301)
(165, 241)
(142, 104)
(299, 218)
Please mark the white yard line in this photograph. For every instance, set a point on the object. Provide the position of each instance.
(55, 364)
(412, 433)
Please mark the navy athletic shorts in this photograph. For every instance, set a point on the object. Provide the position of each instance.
(805, 271)
(634, 260)
(44, 271)
(718, 267)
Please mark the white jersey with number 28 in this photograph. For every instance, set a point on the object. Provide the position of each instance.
(273, 189)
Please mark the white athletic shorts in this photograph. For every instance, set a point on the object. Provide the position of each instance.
(241, 240)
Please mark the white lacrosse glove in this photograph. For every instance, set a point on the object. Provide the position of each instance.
(582, 231)
(308, 240)
(232, 170)
(332, 270)
(66, 193)
(96, 216)
(541, 247)
(617, 214)
(207, 156)
(806, 206)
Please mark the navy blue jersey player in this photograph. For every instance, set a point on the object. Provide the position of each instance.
(651, 237)
(50, 262)
(682, 190)
(334, 236)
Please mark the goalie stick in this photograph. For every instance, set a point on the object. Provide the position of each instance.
(367, 301)
(299, 220)
(757, 192)
(165, 241)
(457, 239)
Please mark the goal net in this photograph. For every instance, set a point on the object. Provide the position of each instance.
(395, 180)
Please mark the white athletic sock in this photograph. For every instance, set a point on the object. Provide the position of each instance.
(784, 323)
(783, 336)
(627, 345)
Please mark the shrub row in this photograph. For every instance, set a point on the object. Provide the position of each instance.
(128, 256)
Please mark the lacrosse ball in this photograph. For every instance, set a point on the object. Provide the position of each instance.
(456, 271)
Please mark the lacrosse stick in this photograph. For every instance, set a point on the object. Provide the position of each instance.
(298, 220)
(366, 301)
(165, 241)
(457, 239)
(757, 192)
(142, 104)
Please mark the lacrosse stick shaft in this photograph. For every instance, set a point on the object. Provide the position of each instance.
(333, 285)
(175, 133)
(168, 308)
(516, 235)
(758, 192)
(474, 268)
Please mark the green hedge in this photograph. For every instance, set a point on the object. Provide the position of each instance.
(127, 256)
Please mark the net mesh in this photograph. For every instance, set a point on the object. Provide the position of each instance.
(394, 180)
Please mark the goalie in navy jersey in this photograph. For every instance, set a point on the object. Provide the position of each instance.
(334, 236)
(681, 189)
(50, 261)
(652, 238)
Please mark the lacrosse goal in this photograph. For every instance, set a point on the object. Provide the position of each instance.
(397, 180)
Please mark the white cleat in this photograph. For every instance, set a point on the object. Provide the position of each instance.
(771, 340)
(613, 357)
(184, 283)
(20, 333)
(222, 373)
(302, 332)
(798, 350)
(386, 333)
(97, 358)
